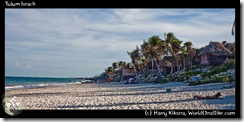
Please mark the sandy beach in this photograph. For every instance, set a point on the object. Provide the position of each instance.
(119, 96)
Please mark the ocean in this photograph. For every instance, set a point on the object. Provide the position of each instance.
(12, 82)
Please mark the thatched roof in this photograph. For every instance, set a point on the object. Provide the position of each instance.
(229, 45)
(216, 49)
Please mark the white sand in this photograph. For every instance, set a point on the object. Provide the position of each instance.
(124, 96)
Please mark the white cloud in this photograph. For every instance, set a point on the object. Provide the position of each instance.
(29, 66)
(17, 64)
(73, 38)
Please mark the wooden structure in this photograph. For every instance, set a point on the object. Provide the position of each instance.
(214, 54)
(127, 73)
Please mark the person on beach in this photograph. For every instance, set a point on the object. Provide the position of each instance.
(216, 96)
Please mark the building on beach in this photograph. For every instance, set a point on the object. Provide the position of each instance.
(214, 54)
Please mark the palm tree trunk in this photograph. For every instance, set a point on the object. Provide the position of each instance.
(191, 64)
(158, 67)
(122, 75)
(164, 70)
(184, 63)
(147, 70)
(171, 71)
(175, 58)
(136, 67)
(152, 65)
(191, 60)
(177, 64)
(233, 28)
(144, 73)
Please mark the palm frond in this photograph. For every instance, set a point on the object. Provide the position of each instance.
(233, 28)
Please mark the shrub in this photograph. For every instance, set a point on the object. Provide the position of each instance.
(192, 73)
(203, 75)
(180, 79)
(212, 79)
(216, 70)
(224, 67)
(187, 69)
(196, 66)
(230, 64)
(226, 79)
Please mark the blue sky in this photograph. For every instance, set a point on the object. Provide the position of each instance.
(83, 42)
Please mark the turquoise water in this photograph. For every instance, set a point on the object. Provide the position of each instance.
(12, 82)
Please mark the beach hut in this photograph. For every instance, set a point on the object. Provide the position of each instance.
(214, 54)
(230, 46)
(127, 73)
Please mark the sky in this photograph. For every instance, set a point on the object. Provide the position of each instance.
(83, 42)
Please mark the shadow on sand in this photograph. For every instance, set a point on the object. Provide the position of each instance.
(125, 104)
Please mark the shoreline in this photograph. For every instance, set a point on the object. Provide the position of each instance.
(16, 87)
(119, 96)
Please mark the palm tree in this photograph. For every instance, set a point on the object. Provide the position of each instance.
(129, 65)
(120, 63)
(114, 65)
(150, 51)
(123, 64)
(233, 33)
(109, 69)
(146, 55)
(233, 48)
(185, 58)
(135, 56)
(154, 43)
(233, 28)
(173, 47)
(171, 63)
(190, 51)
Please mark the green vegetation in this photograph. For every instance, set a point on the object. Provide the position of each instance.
(224, 67)
(212, 79)
(192, 73)
(156, 55)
